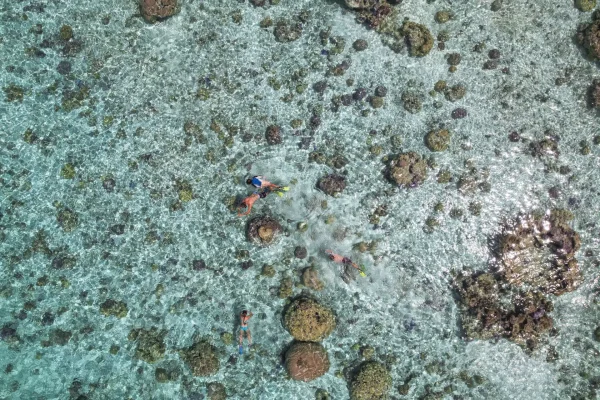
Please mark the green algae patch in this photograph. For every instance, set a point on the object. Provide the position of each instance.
(150, 344)
(14, 93)
(585, 5)
(216, 390)
(66, 32)
(67, 219)
(184, 190)
(115, 308)
(286, 288)
(67, 171)
(73, 99)
(268, 271)
(227, 338)
(29, 136)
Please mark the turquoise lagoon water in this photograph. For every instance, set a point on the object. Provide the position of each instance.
(212, 64)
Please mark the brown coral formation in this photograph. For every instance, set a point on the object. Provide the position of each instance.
(547, 147)
(310, 279)
(407, 170)
(594, 94)
(418, 38)
(273, 134)
(588, 36)
(332, 184)
(305, 361)
(150, 344)
(371, 381)
(262, 230)
(539, 251)
(375, 13)
(536, 258)
(308, 321)
(487, 314)
(154, 10)
(201, 358)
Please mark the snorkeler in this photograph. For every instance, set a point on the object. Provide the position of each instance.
(345, 261)
(248, 202)
(244, 317)
(261, 183)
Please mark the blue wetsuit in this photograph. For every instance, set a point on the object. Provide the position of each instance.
(256, 182)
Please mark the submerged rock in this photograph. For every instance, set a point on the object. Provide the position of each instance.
(588, 36)
(216, 391)
(286, 31)
(273, 134)
(594, 94)
(60, 337)
(300, 252)
(360, 4)
(64, 67)
(155, 10)
(310, 279)
(536, 257)
(479, 295)
(585, 5)
(306, 361)
(286, 287)
(332, 184)
(8, 333)
(308, 321)
(374, 13)
(268, 271)
(169, 371)
(547, 147)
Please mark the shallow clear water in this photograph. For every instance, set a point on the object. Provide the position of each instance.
(139, 84)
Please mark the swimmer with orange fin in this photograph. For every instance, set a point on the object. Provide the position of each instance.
(345, 261)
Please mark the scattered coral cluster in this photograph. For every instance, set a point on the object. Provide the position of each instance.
(536, 258)
(539, 252)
